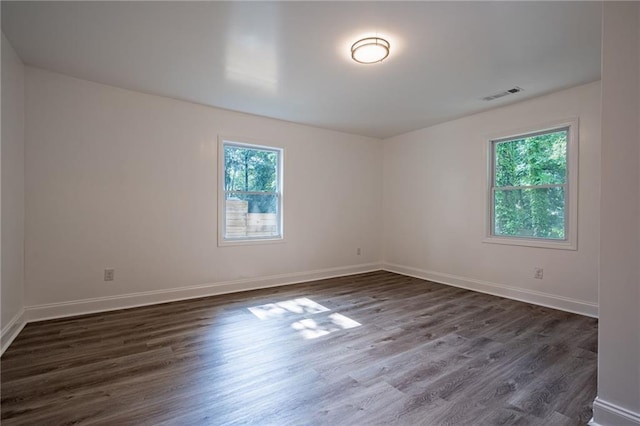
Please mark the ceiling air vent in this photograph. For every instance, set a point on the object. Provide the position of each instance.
(505, 93)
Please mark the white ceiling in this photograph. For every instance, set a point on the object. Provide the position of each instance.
(291, 60)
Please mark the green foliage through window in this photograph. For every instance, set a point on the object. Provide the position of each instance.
(252, 200)
(249, 172)
(529, 185)
(249, 169)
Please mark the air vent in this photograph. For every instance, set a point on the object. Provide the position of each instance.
(505, 93)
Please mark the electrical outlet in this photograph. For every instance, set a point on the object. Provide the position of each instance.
(538, 273)
(358, 251)
(109, 274)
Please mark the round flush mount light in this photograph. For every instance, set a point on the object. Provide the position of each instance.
(370, 50)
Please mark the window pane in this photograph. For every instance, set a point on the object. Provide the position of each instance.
(251, 215)
(533, 213)
(534, 160)
(250, 169)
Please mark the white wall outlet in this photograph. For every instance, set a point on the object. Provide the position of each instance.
(109, 274)
(358, 251)
(538, 273)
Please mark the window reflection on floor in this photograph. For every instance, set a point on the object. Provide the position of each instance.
(292, 307)
(310, 329)
(321, 324)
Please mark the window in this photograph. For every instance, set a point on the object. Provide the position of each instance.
(251, 193)
(533, 179)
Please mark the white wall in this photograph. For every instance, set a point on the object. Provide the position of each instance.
(618, 401)
(125, 180)
(435, 203)
(12, 288)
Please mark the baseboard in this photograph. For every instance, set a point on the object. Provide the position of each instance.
(606, 413)
(11, 330)
(132, 300)
(537, 298)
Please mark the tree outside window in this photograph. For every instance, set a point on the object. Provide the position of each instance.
(530, 186)
(252, 195)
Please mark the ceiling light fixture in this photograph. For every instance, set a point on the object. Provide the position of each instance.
(370, 50)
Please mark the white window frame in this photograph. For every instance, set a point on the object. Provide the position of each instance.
(248, 143)
(571, 187)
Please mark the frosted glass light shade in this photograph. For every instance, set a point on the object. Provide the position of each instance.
(370, 50)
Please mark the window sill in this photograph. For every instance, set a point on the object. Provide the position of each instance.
(524, 242)
(256, 242)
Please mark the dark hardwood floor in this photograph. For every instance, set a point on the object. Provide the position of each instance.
(376, 348)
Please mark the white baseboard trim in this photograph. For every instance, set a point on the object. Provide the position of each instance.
(11, 330)
(132, 300)
(606, 413)
(530, 296)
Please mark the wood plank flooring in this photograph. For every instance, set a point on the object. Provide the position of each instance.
(381, 349)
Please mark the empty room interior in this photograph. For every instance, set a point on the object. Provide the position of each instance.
(320, 213)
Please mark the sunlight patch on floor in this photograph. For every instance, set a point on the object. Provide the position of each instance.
(299, 306)
(309, 328)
